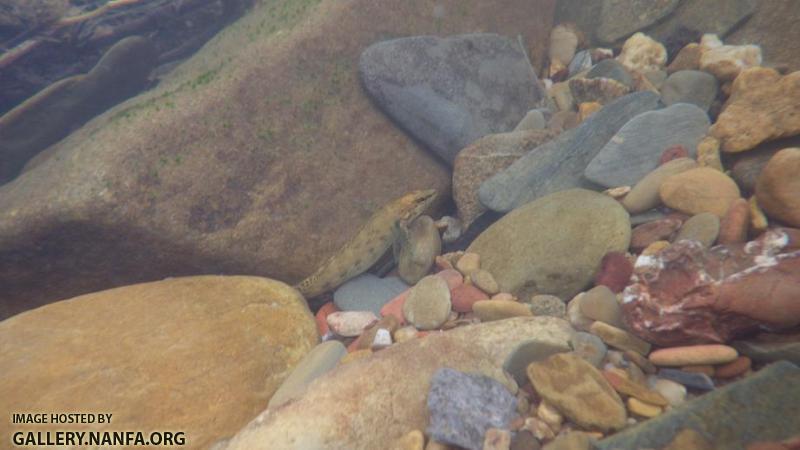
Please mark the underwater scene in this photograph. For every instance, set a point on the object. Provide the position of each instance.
(400, 224)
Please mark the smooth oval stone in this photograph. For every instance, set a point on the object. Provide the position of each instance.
(675, 393)
(703, 227)
(421, 245)
(636, 148)
(693, 355)
(489, 310)
(465, 296)
(367, 292)
(644, 194)
(619, 338)
(734, 368)
(599, 303)
(535, 119)
(428, 304)
(690, 86)
(527, 352)
(692, 380)
(589, 347)
(699, 190)
(611, 68)
(350, 323)
(575, 316)
(319, 360)
(548, 305)
(642, 409)
(485, 281)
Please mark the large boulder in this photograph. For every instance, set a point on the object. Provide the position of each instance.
(371, 402)
(202, 355)
(259, 155)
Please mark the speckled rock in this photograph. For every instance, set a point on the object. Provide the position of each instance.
(553, 245)
(418, 249)
(428, 304)
(344, 408)
(464, 406)
(644, 194)
(635, 149)
(687, 294)
(690, 86)
(642, 53)
(437, 90)
(763, 105)
(579, 391)
(547, 305)
(215, 348)
(367, 292)
(699, 190)
(484, 158)
(708, 153)
(703, 227)
(778, 187)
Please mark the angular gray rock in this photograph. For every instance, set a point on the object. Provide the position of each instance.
(559, 164)
(690, 86)
(761, 407)
(463, 406)
(621, 18)
(367, 292)
(448, 92)
(635, 150)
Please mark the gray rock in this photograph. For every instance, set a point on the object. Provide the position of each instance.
(619, 19)
(553, 245)
(611, 68)
(589, 347)
(548, 305)
(527, 352)
(559, 164)
(599, 303)
(692, 380)
(367, 292)
(703, 227)
(718, 17)
(535, 119)
(448, 92)
(647, 216)
(690, 86)
(770, 351)
(463, 406)
(761, 407)
(580, 62)
(635, 150)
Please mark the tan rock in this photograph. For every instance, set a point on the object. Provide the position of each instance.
(778, 186)
(497, 439)
(726, 62)
(563, 42)
(758, 221)
(641, 53)
(708, 153)
(561, 94)
(655, 247)
(688, 58)
(428, 304)
(586, 109)
(201, 355)
(699, 190)
(599, 90)
(413, 440)
(578, 390)
(693, 355)
(763, 105)
(642, 409)
(344, 408)
(468, 263)
(644, 195)
(619, 338)
(489, 310)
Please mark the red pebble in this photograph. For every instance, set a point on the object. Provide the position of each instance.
(674, 152)
(322, 317)
(464, 296)
(615, 271)
(453, 278)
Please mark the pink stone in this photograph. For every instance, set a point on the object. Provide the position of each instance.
(690, 295)
(350, 323)
(674, 152)
(464, 296)
(452, 277)
(615, 271)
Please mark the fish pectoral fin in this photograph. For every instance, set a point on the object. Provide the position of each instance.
(399, 239)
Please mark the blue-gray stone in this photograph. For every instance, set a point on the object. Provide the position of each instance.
(535, 119)
(611, 68)
(770, 351)
(580, 62)
(760, 407)
(620, 19)
(589, 347)
(692, 380)
(690, 86)
(448, 92)
(463, 406)
(636, 148)
(559, 164)
(526, 352)
(367, 292)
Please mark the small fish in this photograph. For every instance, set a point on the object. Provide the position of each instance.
(372, 241)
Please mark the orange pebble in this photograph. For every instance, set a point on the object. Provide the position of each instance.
(322, 317)
(734, 368)
(395, 307)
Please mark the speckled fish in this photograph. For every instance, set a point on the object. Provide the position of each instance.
(370, 243)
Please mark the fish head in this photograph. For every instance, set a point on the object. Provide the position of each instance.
(413, 204)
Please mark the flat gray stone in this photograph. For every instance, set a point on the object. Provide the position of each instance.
(611, 68)
(448, 92)
(621, 18)
(770, 351)
(635, 150)
(559, 164)
(694, 380)
(527, 352)
(760, 407)
(690, 86)
(589, 347)
(367, 292)
(463, 406)
(535, 119)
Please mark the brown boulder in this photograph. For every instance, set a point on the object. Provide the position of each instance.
(763, 105)
(202, 355)
(484, 158)
(259, 155)
(778, 187)
(688, 295)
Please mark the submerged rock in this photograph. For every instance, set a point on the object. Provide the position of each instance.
(686, 294)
